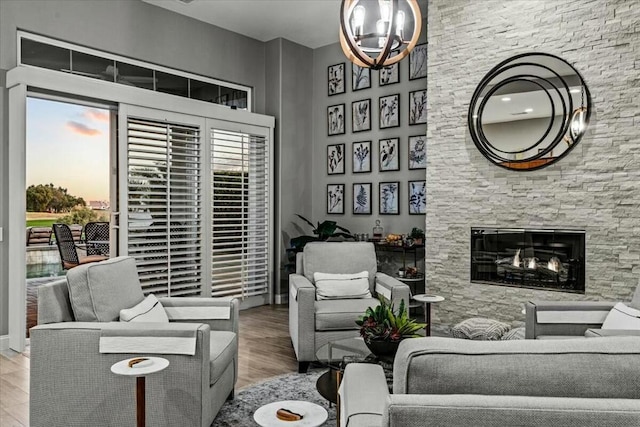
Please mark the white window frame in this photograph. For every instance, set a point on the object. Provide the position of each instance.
(36, 79)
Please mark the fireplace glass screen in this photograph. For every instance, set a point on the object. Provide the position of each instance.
(537, 259)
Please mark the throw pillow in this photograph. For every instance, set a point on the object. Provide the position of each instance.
(99, 290)
(622, 317)
(480, 328)
(149, 310)
(514, 334)
(342, 286)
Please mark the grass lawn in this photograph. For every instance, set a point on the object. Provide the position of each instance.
(40, 222)
(42, 219)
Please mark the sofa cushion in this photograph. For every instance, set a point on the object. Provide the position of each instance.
(622, 317)
(341, 314)
(340, 257)
(479, 328)
(342, 286)
(148, 310)
(223, 347)
(98, 291)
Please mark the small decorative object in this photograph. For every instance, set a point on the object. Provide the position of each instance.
(335, 119)
(418, 152)
(136, 361)
(361, 156)
(418, 62)
(389, 195)
(376, 34)
(323, 231)
(362, 199)
(335, 198)
(401, 273)
(389, 75)
(417, 197)
(389, 154)
(389, 111)
(377, 231)
(360, 77)
(418, 107)
(383, 329)
(335, 79)
(417, 234)
(412, 272)
(335, 159)
(287, 415)
(361, 115)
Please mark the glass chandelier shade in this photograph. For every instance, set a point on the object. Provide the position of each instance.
(379, 33)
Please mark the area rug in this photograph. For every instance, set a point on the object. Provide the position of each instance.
(239, 412)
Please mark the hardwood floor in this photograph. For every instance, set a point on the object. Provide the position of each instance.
(264, 351)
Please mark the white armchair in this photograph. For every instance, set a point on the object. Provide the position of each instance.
(313, 322)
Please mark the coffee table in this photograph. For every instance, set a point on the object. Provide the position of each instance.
(312, 415)
(337, 354)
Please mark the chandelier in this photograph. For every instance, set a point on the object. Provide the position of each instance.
(379, 33)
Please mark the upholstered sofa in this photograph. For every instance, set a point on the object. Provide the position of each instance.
(573, 319)
(451, 382)
(71, 383)
(314, 322)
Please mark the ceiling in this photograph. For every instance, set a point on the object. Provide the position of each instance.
(311, 23)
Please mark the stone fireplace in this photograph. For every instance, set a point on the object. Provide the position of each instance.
(536, 259)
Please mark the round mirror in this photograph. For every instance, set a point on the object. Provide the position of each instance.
(529, 111)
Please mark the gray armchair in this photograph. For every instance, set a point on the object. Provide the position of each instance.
(313, 323)
(572, 319)
(71, 381)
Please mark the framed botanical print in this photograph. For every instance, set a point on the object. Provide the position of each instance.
(335, 159)
(389, 154)
(361, 156)
(360, 77)
(335, 198)
(362, 198)
(389, 116)
(418, 62)
(418, 152)
(335, 119)
(335, 79)
(417, 197)
(389, 198)
(389, 75)
(418, 107)
(361, 115)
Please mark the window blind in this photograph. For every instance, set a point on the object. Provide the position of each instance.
(164, 232)
(240, 214)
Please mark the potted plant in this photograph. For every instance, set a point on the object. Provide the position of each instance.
(323, 231)
(383, 329)
(417, 235)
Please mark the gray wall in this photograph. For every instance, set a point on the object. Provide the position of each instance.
(130, 28)
(323, 58)
(289, 75)
(594, 188)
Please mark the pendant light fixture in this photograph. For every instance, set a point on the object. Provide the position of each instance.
(378, 33)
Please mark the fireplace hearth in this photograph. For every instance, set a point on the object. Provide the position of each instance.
(537, 259)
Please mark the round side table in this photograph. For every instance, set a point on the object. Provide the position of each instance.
(312, 415)
(140, 371)
(427, 300)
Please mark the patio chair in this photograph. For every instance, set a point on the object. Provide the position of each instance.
(68, 249)
(38, 236)
(96, 238)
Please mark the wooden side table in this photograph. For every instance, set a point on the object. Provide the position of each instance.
(427, 300)
(140, 371)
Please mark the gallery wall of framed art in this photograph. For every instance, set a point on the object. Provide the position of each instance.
(373, 142)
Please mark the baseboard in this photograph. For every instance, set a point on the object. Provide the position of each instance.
(4, 342)
(282, 298)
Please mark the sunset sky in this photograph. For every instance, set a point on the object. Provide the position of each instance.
(68, 145)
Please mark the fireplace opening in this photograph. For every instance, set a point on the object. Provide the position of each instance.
(538, 259)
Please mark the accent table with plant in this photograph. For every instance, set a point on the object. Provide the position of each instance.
(383, 329)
